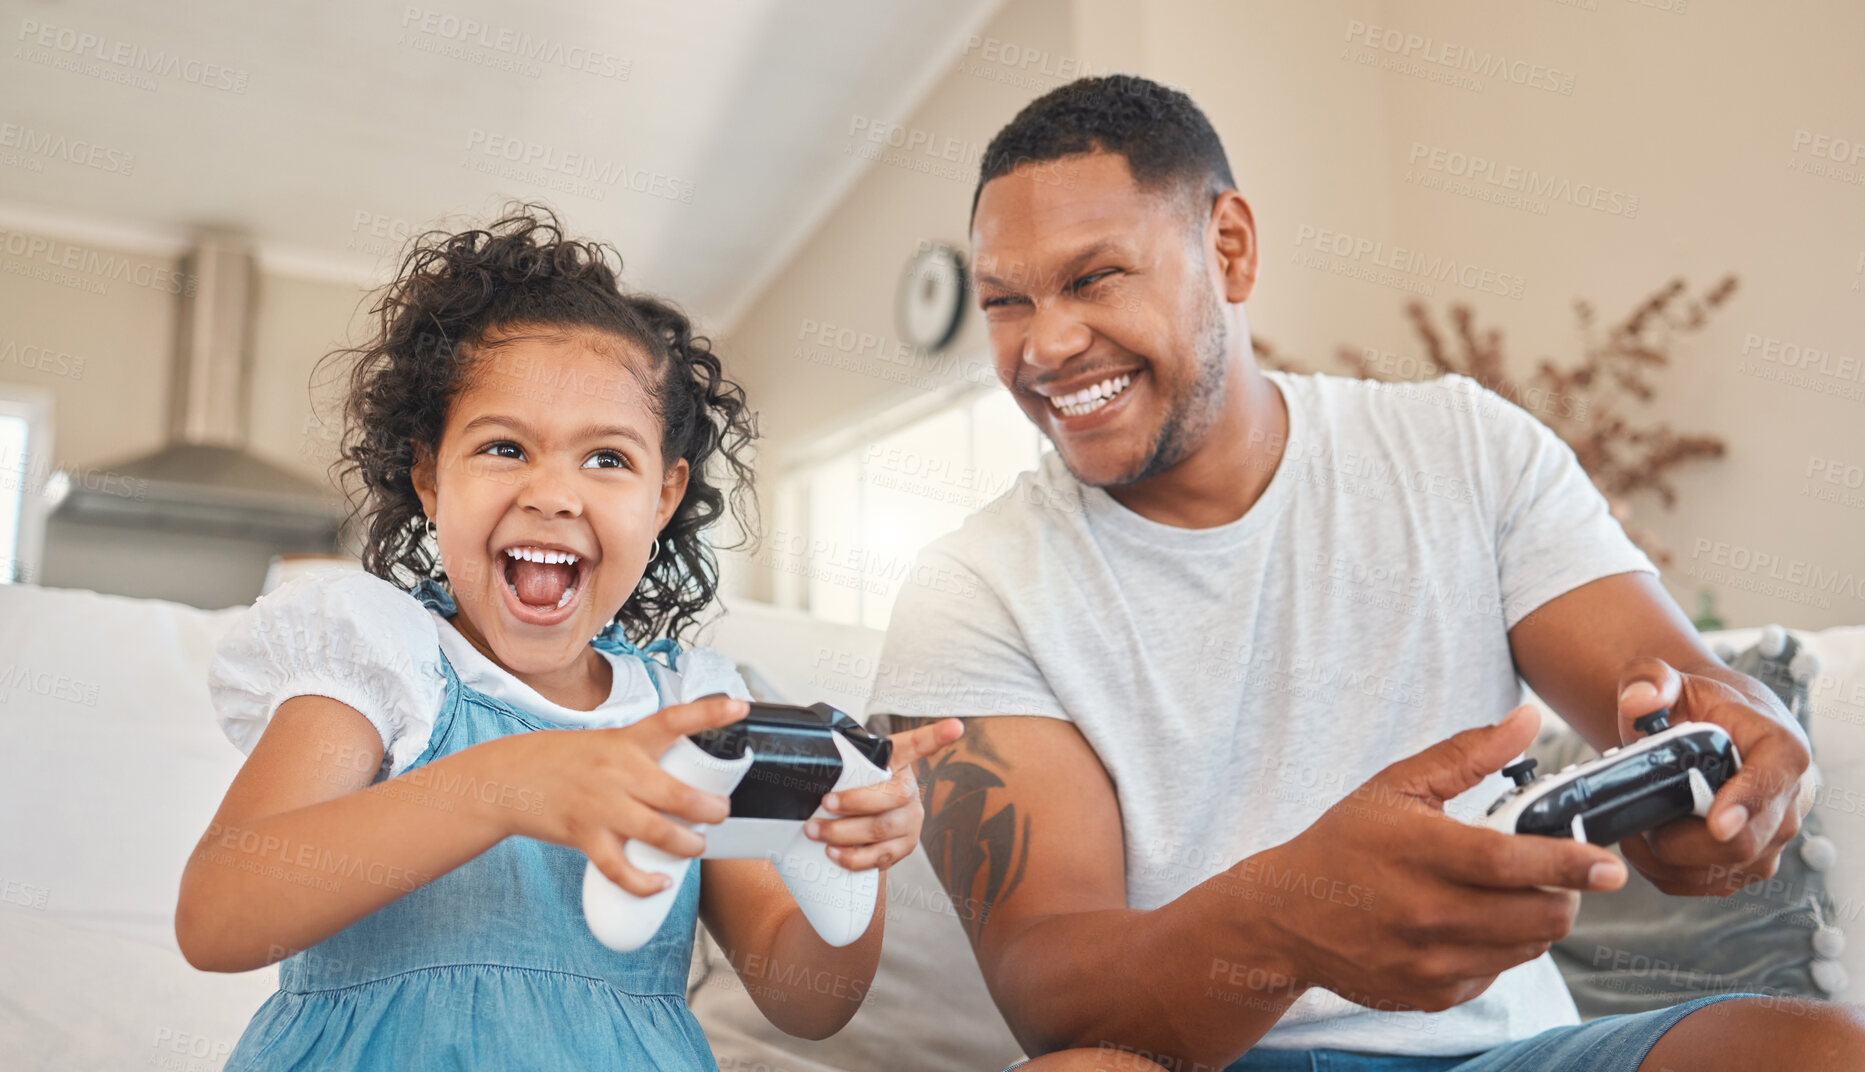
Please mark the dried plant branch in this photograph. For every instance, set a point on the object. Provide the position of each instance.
(1587, 404)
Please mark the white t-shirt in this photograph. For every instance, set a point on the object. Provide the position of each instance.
(360, 640)
(1237, 681)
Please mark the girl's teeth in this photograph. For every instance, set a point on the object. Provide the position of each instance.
(531, 554)
(568, 594)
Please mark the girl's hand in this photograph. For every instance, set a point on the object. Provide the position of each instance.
(595, 789)
(880, 824)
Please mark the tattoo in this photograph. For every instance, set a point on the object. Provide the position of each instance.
(979, 855)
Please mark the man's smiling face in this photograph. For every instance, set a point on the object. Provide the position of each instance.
(1103, 313)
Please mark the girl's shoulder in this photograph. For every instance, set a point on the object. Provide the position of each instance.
(347, 635)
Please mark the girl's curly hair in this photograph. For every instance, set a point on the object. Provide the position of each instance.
(459, 292)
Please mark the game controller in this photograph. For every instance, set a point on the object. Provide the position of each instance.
(776, 764)
(1671, 772)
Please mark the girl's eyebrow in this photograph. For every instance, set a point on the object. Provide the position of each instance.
(594, 431)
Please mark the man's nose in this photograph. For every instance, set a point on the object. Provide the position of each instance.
(1055, 337)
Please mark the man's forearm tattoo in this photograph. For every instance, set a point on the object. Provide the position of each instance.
(978, 853)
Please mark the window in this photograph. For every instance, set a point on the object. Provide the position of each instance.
(851, 521)
(25, 446)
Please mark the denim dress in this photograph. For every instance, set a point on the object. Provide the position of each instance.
(490, 966)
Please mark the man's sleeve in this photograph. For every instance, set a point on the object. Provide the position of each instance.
(1554, 530)
(953, 648)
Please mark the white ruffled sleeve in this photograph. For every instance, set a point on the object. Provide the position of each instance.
(703, 672)
(347, 635)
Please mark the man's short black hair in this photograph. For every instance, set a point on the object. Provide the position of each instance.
(1165, 139)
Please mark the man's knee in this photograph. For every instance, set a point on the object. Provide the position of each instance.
(1825, 1034)
(1814, 1036)
(1104, 1059)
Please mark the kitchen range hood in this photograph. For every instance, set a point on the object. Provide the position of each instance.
(204, 481)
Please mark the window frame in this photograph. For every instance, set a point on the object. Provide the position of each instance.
(33, 405)
(791, 498)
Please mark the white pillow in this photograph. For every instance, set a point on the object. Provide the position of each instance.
(111, 765)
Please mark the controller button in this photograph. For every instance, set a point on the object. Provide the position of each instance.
(1609, 752)
(1521, 772)
(1656, 722)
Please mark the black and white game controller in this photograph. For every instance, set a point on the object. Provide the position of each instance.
(776, 764)
(1671, 772)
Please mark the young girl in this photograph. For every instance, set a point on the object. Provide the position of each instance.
(437, 743)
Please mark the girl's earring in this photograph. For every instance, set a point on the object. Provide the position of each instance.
(433, 533)
(654, 550)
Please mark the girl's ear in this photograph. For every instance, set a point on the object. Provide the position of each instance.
(673, 489)
(422, 475)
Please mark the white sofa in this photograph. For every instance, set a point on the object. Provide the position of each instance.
(111, 764)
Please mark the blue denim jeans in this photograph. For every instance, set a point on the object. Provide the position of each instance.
(1609, 1044)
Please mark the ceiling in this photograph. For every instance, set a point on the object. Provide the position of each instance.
(705, 140)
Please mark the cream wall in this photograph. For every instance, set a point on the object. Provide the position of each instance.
(112, 341)
(844, 278)
(94, 324)
(1695, 112)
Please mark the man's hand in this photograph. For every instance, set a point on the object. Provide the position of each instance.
(1398, 906)
(1755, 813)
(1610, 651)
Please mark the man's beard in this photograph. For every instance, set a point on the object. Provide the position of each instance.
(1191, 413)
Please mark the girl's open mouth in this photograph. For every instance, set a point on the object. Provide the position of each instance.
(543, 585)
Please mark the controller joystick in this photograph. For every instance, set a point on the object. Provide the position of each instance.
(1656, 722)
(1520, 772)
(776, 764)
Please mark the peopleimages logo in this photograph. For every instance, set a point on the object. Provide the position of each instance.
(1487, 178)
(517, 44)
(561, 169)
(1792, 579)
(73, 265)
(1803, 358)
(1409, 262)
(1417, 48)
(53, 146)
(160, 63)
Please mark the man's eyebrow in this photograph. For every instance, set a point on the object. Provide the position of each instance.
(594, 431)
(1075, 260)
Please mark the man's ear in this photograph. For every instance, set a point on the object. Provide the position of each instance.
(673, 489)
(422, 474)
(1234, 228)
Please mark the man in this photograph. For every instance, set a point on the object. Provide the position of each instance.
(1248, 638)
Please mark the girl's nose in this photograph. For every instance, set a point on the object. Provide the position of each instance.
(550, 493)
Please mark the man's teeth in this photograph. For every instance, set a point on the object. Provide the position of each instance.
(536, 554)
(1088, 399)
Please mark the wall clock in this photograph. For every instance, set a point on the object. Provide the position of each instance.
(930, 303)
